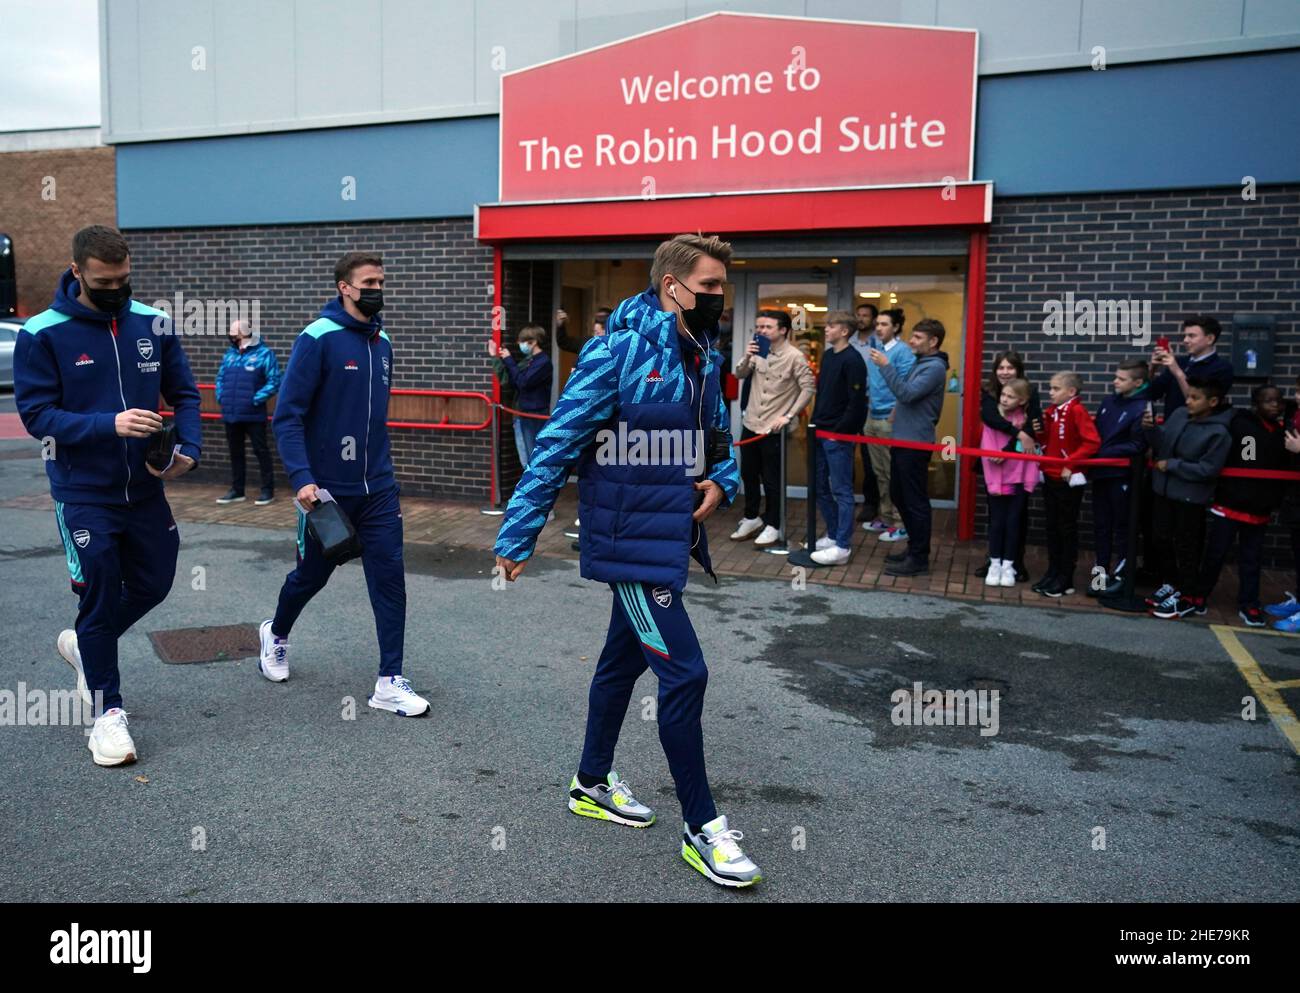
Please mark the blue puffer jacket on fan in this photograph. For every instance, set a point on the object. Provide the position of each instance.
(245, 381)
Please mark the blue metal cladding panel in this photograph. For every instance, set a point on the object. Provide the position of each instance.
(1167, 125)
(422, 169)
(1163, 125)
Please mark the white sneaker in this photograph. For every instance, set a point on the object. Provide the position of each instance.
(72, 655)
(395, 693)
(994, 576)
(274, 661)
(770, 536)
(1008, 576)
(825, 541)
(748, 527)
(110, 742)
(834, 555)
(715, 854)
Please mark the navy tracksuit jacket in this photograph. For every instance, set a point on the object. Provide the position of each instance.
(75, 369)
(331, 427)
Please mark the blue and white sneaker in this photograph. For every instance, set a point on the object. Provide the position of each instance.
(893, 534)
(714, 854)
(1290, 625)
(273, 663)
(1286, 608)
(395, 694)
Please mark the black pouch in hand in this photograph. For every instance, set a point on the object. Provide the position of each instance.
(162, 446)
(331, 527)
(717, 446)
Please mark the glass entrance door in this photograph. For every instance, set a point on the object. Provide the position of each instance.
(805, 296)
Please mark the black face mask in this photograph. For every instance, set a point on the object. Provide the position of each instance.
(703, 317)
(110, 301)
(371, 302)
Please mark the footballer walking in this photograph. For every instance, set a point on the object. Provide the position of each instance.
(88, 375)
(654, 370)
(331, 425)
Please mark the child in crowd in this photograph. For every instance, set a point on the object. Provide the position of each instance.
(1119, 425)
(1009, 481)
(1242, 506)
(1288, 611)
(1068, 434)
(1190, 449)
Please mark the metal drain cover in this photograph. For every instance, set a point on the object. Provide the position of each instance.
(182, 646)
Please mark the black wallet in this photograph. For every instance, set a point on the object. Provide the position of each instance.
(330, 526)
(162, 446)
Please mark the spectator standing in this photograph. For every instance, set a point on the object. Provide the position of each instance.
(783, 387)
(247, 378)
(919, 401)
(841, 407)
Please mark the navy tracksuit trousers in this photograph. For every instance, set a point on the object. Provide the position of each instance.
(648, 626)
(378, 520)
(122, 561)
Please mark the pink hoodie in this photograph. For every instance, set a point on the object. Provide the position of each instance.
(1000, 477)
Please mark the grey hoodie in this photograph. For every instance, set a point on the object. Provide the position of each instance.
(1194, 450)
(920, 396)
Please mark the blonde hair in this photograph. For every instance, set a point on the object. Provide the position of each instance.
(1070, 380)
(677, 256)
(1020, 387)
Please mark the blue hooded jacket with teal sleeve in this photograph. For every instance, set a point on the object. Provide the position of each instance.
(246, 380)
(331, 417)
(76, 369)
(632, 382)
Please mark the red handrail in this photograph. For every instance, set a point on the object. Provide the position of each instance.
(443, 425)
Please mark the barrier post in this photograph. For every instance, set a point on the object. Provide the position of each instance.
(1126, 599)
(494, 509)
(803, 557)
(781, 547)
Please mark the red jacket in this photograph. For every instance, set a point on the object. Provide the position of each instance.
(1068, 433)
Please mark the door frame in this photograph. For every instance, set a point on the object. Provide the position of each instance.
(744, 312)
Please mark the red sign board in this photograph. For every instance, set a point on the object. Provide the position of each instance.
(742, 103)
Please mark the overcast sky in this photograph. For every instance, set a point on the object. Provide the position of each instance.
(49, 64)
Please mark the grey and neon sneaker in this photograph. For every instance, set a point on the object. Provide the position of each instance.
(715, 854)
(611, 801)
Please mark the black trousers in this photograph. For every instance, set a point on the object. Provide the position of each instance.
(760, 462)
(870, 485)
(1005, 514)
(256, 433)
(1219, 536)
(1179, 533)
(1062, 503)
(1109, 518)
(908, 478)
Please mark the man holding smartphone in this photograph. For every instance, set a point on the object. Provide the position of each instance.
(783, 387)
(1200, 360)
(331, 423)
(88, 376)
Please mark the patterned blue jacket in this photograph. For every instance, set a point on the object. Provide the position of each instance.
(636, 518)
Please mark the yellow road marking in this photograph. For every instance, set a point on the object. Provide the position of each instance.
(1265, 690)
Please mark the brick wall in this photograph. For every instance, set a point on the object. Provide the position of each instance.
(437, 310)
(1200, 251)
(81, 189)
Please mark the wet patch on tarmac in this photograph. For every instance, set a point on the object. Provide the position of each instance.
(1078, 700)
